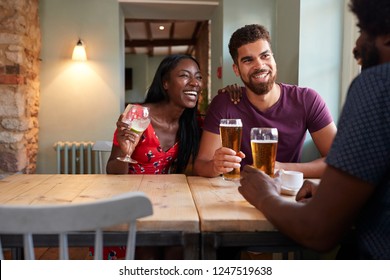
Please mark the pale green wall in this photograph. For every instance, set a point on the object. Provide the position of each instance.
(320, 54)
(139, 64)
(321, 49)
(78, 101)
(144, 68)
(285, 40)
(153, 64)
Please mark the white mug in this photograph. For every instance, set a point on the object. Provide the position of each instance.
(291, 181)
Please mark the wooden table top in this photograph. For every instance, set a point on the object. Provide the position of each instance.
(180, 203)
(173, 206)
(222, 208)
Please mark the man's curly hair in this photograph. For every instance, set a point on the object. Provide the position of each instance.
(245, 35)
(373, 15)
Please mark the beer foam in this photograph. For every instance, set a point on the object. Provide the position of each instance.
(264, 141)
(230, 125)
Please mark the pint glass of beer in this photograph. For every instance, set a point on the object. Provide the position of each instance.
(264, 143)
(231, 133)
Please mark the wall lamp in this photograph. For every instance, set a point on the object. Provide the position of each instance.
(79, 53)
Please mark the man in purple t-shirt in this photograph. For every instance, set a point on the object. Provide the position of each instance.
(264, 103)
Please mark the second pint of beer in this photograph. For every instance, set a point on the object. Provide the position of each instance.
(231, 133)
(264, 144)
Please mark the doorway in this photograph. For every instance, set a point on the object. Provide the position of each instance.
(156, 29)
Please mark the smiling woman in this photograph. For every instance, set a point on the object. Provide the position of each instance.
(172, 99)
(171, 141)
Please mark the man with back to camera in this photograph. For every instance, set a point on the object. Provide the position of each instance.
(355, 188)
(264, 103)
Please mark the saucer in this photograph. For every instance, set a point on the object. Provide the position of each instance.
(288, 191)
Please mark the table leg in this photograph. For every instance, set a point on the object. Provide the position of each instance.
(270, 242)
(191, 244)
(209, 246)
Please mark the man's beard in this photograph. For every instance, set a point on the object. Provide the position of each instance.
(260, 88)
(368, 54)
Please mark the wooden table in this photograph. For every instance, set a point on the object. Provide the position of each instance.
(228, 220)
(174, 221)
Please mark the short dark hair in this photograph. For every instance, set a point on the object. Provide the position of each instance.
(245, 35)
(373, 15)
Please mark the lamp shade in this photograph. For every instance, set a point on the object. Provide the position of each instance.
(79, 53)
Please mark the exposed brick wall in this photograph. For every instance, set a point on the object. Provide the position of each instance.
(20, 44)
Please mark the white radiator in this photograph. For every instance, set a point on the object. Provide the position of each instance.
(76, 158)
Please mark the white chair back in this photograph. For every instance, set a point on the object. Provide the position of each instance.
(62, 219)
(101, 147)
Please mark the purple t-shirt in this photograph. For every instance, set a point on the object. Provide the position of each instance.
(297, 110)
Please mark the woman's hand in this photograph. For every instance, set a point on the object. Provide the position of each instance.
(127, 138)
(234, 92)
